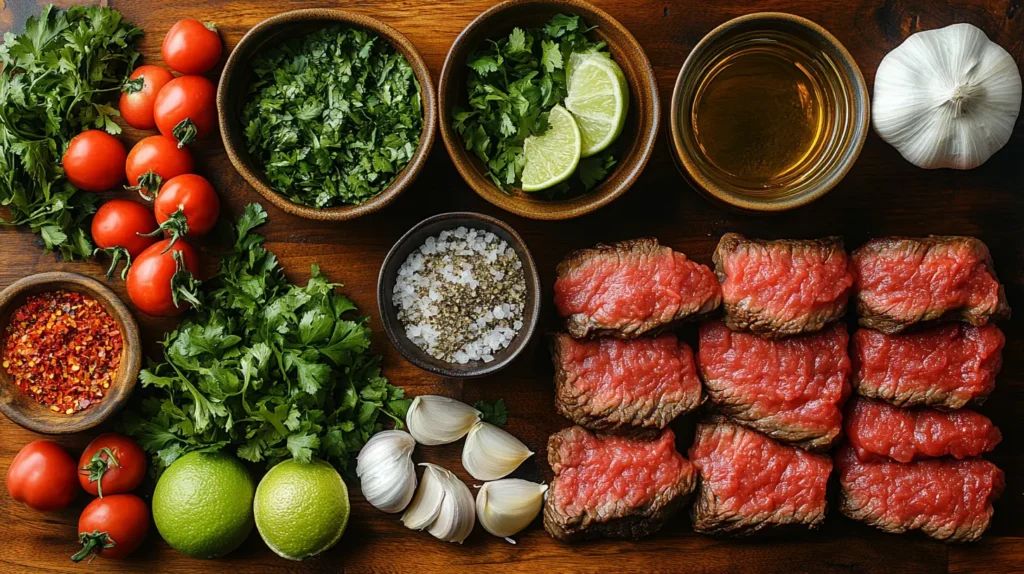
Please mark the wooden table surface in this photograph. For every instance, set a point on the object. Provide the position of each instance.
(882, 195)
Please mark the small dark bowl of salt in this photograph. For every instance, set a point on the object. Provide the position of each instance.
(459, 295)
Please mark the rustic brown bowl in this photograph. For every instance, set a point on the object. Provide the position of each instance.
(34, 416)
(411, 241)
(234, 82)
(635, 143)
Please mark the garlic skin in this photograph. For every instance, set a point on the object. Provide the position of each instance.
(505, 507)
(491, 453)
(386, 472)
(443, 505)
(947, 98)
(433, 419)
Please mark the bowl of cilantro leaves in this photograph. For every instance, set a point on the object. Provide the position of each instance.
(506, 105)
(328, 114)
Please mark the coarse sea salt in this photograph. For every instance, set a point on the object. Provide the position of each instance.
(461, 295)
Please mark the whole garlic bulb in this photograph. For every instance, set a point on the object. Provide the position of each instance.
(504, 507)
(385, 470)
(947, 98)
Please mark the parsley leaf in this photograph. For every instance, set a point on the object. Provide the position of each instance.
(265, 367)
(333, 116)
(56, 80)
(495, 413)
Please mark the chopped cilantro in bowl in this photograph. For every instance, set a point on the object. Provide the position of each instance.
(332, 117)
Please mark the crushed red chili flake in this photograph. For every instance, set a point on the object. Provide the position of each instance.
(63, 349)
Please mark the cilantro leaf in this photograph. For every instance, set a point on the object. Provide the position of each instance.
(495, 413)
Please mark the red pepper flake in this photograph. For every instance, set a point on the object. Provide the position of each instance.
(50, 353)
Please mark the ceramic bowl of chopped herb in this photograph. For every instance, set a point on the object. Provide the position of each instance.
(459, 295)
(514, 84)
(328, 114)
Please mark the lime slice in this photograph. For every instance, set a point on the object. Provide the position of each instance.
(598, 99)
(551, 158)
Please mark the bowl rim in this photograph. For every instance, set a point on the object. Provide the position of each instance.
(403, 179)
(713, 192)
(128, 372)
(531, 317)
(646, 135)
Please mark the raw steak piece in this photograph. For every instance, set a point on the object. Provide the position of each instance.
(790, 389)
(946, 499)
(613, 486)
(784, 287)
(945, 367)
(610, 384)
(878, 430)
(627, 289)
(904, 281)
(749, 482)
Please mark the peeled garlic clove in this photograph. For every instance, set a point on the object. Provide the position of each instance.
(433, 419)
(385, 470)
(491, 453)
(505, 507)
(443, 506)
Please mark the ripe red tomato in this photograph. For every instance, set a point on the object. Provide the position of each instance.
(159, 155)
(186, 109)
(187, 205)
(191, 47)
(112, 527)
(111, 464)
(119, 223)
(149, 280)
(136, 105)
(93, 161)
(43, 476)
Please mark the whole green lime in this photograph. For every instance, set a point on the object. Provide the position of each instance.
(202, 504)
(301, 509)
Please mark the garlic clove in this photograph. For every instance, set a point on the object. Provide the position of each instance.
(505, 507)
(492, 453)
(385, 469)
(443, 506)
(433, 419)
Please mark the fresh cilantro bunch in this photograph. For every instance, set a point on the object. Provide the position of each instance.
(513, 83)
(332, 116)
(267, 368)
(58, 78)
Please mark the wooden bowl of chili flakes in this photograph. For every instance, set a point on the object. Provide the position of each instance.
(70, 353)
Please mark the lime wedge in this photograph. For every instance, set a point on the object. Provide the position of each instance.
(598, 99)
(551, 158)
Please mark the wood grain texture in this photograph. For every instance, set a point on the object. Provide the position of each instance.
(882, 195)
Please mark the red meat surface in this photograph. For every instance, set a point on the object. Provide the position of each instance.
(946, 499)
(904, 281)
(630, 288)
(947, 366)
(608, 384)
(791, 389)
(879, 430)
(614, 486)
(749, 482)
(783, 287)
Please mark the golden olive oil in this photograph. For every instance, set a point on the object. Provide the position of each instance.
(764, 112)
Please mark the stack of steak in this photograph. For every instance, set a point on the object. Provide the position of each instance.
(776, 371)
(623, 378)
(913, 458)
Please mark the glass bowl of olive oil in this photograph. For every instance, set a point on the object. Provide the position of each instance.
(769, 113)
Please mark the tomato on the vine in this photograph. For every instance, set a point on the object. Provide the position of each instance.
(139, 93)
(160, 276)
(123, 223)
(43, 476)
(191, 47)
(93, 161)
(187, 205)
(111, 464)
(112, 527)
(186, 109)
(156, 159)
